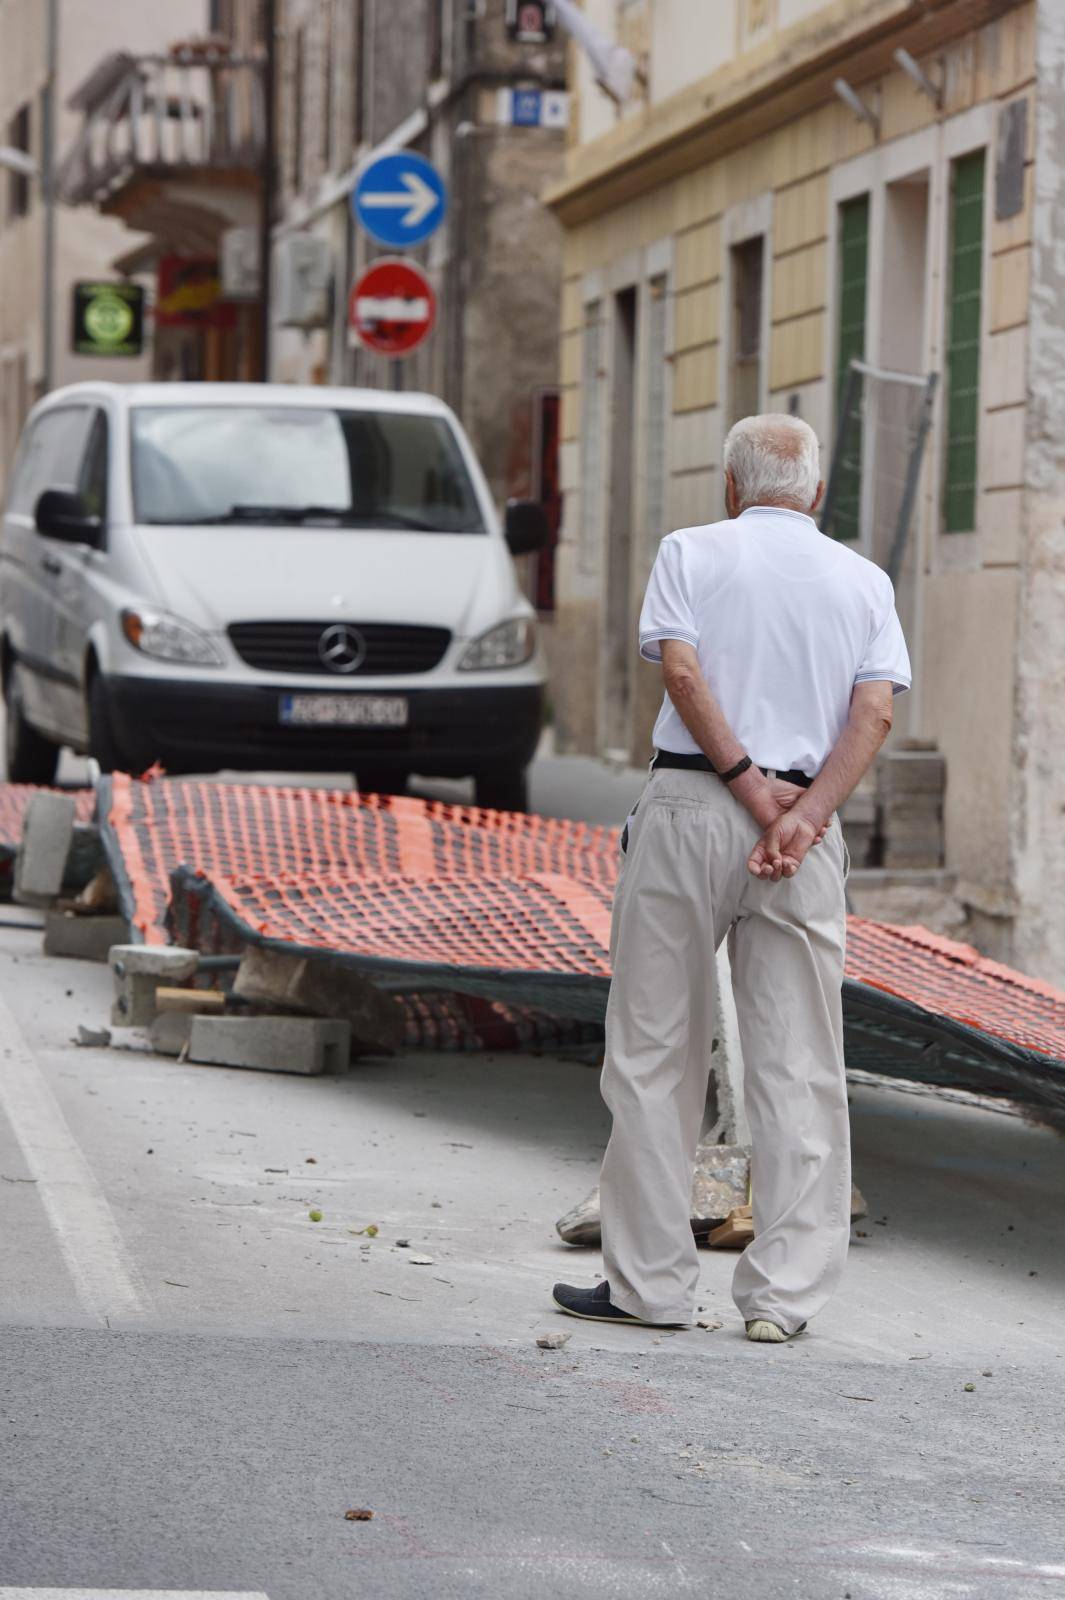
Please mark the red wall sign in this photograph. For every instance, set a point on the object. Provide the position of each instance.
(392, 307)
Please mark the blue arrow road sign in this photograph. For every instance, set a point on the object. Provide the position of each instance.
(399, 198)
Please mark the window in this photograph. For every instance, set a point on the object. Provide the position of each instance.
(93, 480)
(746, 386)
(964, 284)
(50, 456)
(591, 438)
(300, 464)
(850, 345)
(18, 183)
(655, 498)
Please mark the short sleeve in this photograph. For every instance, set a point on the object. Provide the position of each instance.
(667, 612)
(886, 658)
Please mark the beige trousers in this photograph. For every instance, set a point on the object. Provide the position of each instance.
(683, 887)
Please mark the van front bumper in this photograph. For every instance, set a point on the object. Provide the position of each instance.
(204, 727)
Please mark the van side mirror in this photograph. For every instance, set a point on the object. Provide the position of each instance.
(62, 515)
(525, 526)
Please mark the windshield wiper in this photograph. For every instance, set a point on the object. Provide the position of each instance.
(298, 515)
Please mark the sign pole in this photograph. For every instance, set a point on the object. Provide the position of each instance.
(397, 376)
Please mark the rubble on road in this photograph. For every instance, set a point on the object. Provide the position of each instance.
(82, 938)
(169, 1034)
(720, 1186)
(139, 970)
(321, 987)
(553, 1341)
(92, 1038)
(305, 1045)
(47, 834)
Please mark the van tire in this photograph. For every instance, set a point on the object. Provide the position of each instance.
(371, 780)
(502, 789)
(102, 744)
(28, 756)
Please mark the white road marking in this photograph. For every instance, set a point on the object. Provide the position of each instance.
(132, 1594)
(82, 1221)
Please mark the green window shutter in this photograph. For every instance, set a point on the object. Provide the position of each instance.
(850, 342)
(964, 288)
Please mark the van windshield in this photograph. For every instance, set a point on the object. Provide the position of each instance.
(300, 464)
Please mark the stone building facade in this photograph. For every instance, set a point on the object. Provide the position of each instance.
(86, 242)
(731, 236)
(352, 82)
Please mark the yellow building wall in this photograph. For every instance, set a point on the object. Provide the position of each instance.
(966, 624)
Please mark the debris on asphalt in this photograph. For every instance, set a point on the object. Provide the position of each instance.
(305, 1045)
(553, 1341)
(970, 1388)
(402, 1244)
(322, 986)
(358, 1516)
(420, 1261)
(190, 1002)
(92, 1038)
(169, 1033)
(311, 1160)
(99, 896)
(721, 1182)
(315, 1216)
(735, 1233)
(711, 1325)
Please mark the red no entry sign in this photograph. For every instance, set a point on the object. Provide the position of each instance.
(392, 307)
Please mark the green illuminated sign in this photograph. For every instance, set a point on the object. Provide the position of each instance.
(108, 319)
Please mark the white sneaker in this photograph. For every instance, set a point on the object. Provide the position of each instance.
(761, 1331)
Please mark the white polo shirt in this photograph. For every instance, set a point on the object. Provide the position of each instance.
(785, 621)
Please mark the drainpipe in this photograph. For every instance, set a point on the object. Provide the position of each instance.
(48, 196)
(267, 174)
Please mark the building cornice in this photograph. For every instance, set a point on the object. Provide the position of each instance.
(762, 90)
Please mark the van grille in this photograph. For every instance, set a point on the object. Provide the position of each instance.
(296, 647)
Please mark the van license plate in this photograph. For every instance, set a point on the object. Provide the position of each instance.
(344, 711)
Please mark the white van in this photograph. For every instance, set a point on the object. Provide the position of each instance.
(265, 577)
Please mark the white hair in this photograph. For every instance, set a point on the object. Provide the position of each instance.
(773, 459)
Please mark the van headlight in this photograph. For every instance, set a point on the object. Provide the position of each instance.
(506, 645)
(169, 639)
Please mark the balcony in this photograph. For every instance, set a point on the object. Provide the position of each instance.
(171, 144)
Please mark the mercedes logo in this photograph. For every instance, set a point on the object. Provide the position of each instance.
(342, 648)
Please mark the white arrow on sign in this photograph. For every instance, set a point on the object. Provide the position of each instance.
(375, 308)
(417, 199)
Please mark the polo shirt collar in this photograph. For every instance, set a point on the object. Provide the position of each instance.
(776, 511)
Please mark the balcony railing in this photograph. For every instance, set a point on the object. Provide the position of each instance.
(193, 111)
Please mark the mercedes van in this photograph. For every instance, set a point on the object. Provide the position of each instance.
(265, 577)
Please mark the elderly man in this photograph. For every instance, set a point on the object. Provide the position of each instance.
(780, 651)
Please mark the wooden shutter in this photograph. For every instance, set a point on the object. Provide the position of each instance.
(964, 290)
(850, 343)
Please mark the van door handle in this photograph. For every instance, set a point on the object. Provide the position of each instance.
(51, 565)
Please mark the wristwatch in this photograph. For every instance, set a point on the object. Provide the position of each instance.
(736, 771)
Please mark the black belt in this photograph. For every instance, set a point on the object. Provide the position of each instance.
(693, 763)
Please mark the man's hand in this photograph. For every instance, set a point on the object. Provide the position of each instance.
(782, 849)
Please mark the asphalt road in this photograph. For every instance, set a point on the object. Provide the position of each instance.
(197, 1382)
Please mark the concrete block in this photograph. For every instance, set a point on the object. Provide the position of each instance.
(47, 833)
(133, 1005)
(169, 1033)
(82, 938)
(138, 970)
(307, 1045)
(166, 963)
(321, 986)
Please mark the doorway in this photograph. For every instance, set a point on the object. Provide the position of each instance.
(618, 620)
